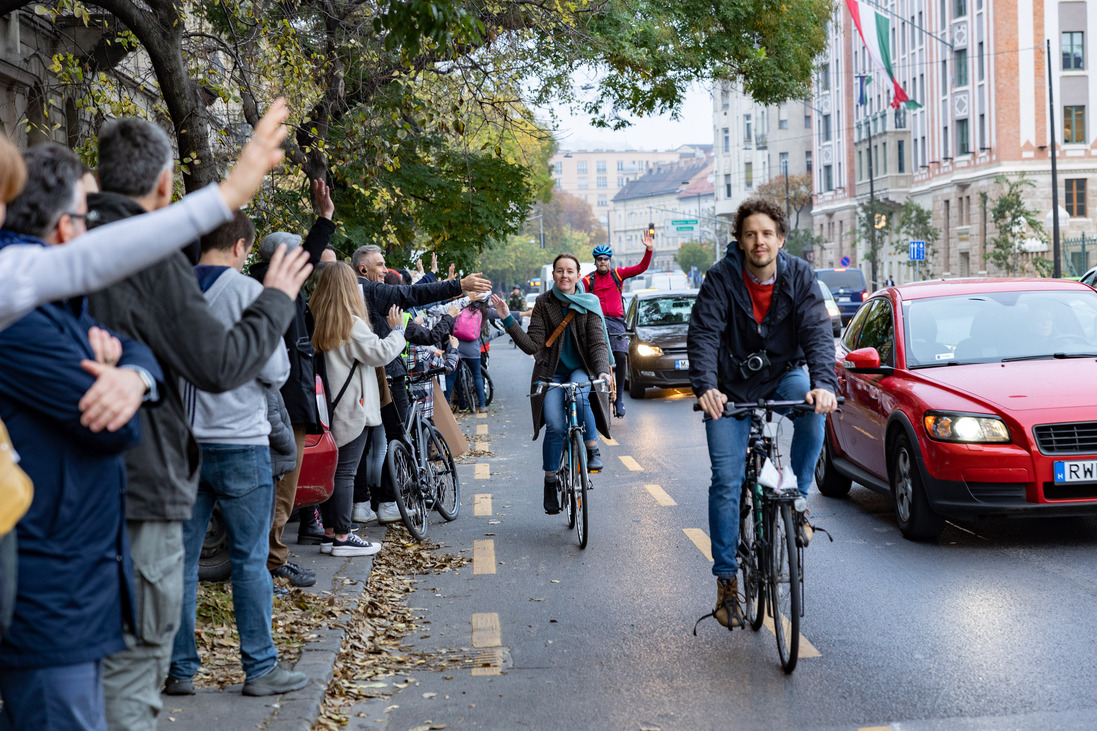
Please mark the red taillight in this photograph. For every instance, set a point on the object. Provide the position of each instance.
(860, 296)
(322, 403)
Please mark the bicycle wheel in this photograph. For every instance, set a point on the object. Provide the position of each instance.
(784, 577)
(409, 498)
(489, 387)
(750, 578)
(447, 486)
(579, 486)
(563, 485)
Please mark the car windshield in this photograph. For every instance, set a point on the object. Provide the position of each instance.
(1000, 326)
(664, 311)
(843, 279)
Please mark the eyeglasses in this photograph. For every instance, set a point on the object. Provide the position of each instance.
(89, 217)
(601, 258)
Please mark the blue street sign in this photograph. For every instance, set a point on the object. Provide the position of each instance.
(917, 250)
(845, 261)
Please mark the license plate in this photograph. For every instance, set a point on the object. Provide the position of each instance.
(681, 365)
(1076, 471)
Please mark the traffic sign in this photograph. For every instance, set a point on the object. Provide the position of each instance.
(845, 261)
(917, 250)
(685, 222)
(684, 228)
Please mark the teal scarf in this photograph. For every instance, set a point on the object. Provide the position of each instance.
(583, 303)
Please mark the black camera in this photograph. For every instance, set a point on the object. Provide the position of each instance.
(752, 364)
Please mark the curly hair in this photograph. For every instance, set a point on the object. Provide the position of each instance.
(761, 205)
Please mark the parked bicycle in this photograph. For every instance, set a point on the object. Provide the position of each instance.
(572, 480)
(464, 390)
(773, 531)
(422, 469)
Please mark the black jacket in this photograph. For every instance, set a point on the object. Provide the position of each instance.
(299, 390)
(723, 331)
(163, 307)
(380, 297)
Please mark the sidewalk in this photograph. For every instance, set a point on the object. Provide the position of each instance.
(212, 709)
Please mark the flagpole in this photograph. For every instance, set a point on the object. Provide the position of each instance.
(871, 217)
(1056, 267)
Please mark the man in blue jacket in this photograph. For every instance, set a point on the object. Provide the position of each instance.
(74, 596)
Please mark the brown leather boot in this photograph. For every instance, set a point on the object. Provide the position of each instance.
(727, 602)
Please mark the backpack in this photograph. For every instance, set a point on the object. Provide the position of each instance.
(588, 281)
(467, 325)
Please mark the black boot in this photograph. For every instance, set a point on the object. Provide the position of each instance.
(594, 460)
(552, 504)
(310, 532)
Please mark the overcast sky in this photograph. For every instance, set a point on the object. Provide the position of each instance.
(649, 133)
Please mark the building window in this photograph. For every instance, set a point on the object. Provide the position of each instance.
(620, 166)
(1074, 54)
(824, 77)
(1076, 197)
(946, 148)
(959, 8)
(748, 175)
(727, 186)
(884, 150)
(1074, 124)
(559, 184)
(902, 157)
(620, 181)
(783, 162)
(782, 117)
(982, 132)
(960, 66)
(807, 162)
(828, 179)
(979, 63)
(860, 166)
(807, 121)
(601, 182)
(558, 168)
(582, 184)
(963, 145)
(826, 128)
(727, 139)
(725, 99)
(600, 167)
(747, 129)
(603, 201)
(582, 167)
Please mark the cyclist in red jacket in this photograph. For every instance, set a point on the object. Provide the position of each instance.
(605, 282)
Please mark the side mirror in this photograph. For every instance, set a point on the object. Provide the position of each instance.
(865, 360)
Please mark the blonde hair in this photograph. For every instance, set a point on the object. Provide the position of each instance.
(334, 303)
(13, 172)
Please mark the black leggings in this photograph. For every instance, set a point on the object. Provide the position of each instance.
(619, 373)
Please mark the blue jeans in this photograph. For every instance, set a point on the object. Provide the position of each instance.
(54, 697)
(727, 450)
(477, 379)
(556, 420)
(238, 478)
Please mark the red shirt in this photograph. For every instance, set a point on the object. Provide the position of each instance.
(761, 296)
(606, 288)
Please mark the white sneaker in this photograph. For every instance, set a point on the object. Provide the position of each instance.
(326, 544)
(388, 513)
(354, 546)
(363, 513)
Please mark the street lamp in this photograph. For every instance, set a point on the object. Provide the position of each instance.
(540, 217)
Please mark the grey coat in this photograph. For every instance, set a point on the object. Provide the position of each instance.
(548, 313)
(283, 445)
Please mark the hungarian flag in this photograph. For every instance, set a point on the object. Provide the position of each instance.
(875, 32)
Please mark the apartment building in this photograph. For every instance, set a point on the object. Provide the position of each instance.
(979, 70)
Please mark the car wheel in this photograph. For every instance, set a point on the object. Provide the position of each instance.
(214, 564)
(635, 388)
(915, 517)
(827, 479)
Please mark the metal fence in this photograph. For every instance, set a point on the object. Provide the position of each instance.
(1078, 253)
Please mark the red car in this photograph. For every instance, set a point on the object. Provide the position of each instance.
(968, 399)
(315, 485)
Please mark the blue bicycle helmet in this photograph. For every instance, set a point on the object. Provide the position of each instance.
(602, 250)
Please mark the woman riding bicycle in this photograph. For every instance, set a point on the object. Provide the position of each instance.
(568, 341)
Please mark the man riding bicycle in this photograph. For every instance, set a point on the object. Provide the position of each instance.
(758, 317)
(605, 282)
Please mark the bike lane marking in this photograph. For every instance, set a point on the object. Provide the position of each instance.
(482, 506)
(660, 495)
(481, 430)
(704, 545)
(483, 471)
(487, 635)
(481, 415)
(483, 556)
(632, 464)
(610, 442)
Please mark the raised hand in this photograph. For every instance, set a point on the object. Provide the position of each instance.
(262, 154)
(321, 199)
(395, 317)
(475, 283)
(500, 305)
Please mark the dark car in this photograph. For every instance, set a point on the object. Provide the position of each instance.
(657, 322)
(848, 287)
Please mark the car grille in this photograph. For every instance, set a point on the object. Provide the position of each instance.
(1073, 491)
(1076, 438)
(995, 492)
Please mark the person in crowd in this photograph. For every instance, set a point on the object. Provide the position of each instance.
(368, 263)
(233, 432)
(32, 274)
(757, 299)
(567, 325)
(516, 303)
(283, 448)
(163, 308)
(354, 356)
(329, 255)
(299, 391)
(606, 282)
(423, 358)
(468, 328)
(68, 399)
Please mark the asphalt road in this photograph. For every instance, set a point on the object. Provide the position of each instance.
(986, 629)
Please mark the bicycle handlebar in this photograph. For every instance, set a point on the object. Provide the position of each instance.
(541, 386)
(421, 376)
(735, 410)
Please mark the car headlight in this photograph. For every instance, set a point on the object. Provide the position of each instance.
(648, 350)
(965, 428)
(832, 310)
